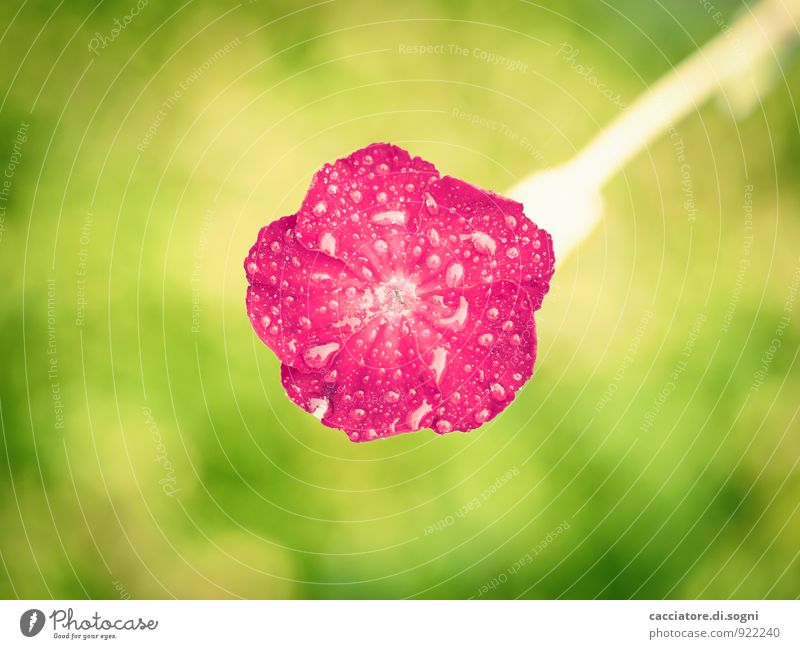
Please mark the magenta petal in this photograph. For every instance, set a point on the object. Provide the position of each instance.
(303, 305)
(369, 391)
(360, 208)
(479, 365)
(481, 237)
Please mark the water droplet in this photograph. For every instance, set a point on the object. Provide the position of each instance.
(430, 204)
(492, 313)
(409, 187)
(416, 251)
(517, 376)
(305, 323)
(393, 217)
(381, 197)
(252, 268)
(383, 168)
(516, 340)
(454, 275)
(320, 207)
(318, 407)
(485, 339)
(327, 243)
(433, 237)
(482, 415)
(332, 189)
(318, 355)
(498, 392)
(512, 253)
(381, 246)
(275, 246)
(536, 244)
(443, 426)
(330, 377)
(358, 414)
(508, 325)
(511, 222)
(483, 243)
(368, 159)
(265, 321)
(355, 195)
(433, 262)
(391, 397)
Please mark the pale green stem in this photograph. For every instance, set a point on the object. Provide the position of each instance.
(754, 36)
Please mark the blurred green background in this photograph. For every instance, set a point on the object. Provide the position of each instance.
(148, 449)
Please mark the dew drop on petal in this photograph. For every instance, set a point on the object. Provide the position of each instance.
(443, 426)
(454, 275)
(430, 204)
(318, 355)
(327, 244)
(498, 392)
(483, 243)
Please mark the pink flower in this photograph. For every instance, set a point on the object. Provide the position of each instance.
(397, 299)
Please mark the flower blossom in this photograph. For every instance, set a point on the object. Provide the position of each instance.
(397, 299)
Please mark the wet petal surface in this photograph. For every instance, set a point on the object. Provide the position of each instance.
(397, 300)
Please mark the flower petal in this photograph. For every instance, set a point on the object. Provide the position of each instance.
(360, 208)
(478, 237)
(302, 304)
(481, 356)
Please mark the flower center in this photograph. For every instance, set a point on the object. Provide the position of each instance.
(397, 297)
